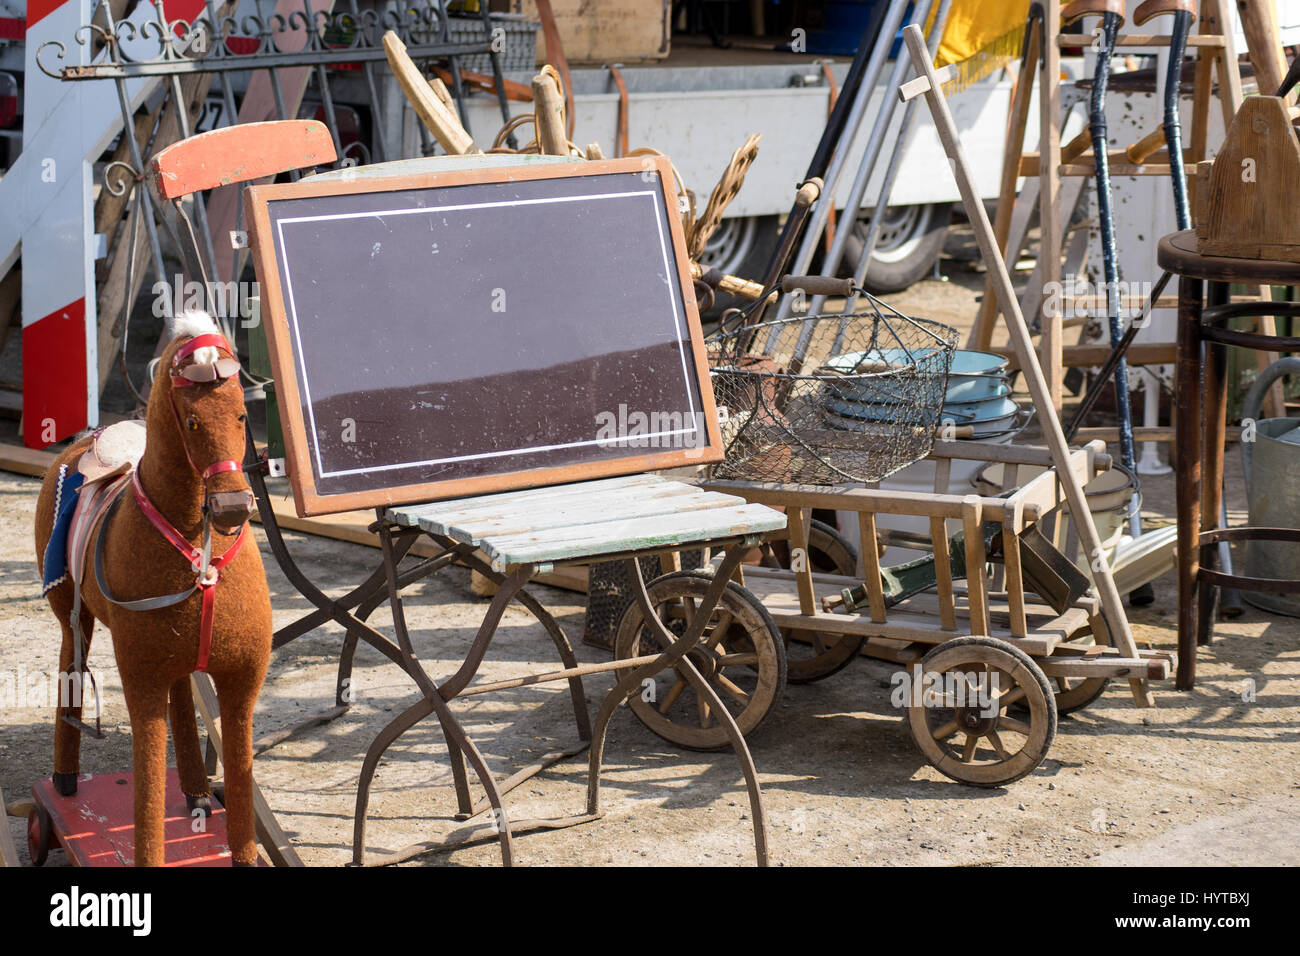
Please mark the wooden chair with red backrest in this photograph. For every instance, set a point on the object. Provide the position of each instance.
(223, 157)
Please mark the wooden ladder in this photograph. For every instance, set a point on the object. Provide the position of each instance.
(1053, 165)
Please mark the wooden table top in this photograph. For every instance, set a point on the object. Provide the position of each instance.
(588, 519)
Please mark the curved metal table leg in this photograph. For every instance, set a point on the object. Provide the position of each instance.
(558, 638)
(674, 656)
(457, 739)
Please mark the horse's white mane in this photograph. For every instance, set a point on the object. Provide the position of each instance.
(196, 322)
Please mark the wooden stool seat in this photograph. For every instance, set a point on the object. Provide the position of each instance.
(1200, 392)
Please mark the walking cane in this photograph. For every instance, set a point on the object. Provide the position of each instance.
(1112, 16)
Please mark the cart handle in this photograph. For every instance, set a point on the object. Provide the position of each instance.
(818, 285)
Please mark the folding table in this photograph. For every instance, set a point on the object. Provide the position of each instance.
(526, 532)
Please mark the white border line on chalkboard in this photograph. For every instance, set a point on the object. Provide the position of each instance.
(682, 333)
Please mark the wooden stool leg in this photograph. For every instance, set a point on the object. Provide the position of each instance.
(1187, 455)
(1214, 410)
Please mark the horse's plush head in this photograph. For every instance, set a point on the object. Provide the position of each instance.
(197, 388)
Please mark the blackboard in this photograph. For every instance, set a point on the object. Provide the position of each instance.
(440, 334)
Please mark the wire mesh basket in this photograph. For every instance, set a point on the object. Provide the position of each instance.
(830, 399)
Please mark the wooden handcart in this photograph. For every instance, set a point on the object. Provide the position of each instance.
(1052, 654)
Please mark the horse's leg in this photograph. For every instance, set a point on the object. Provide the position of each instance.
(67, 737)
(189, 755)
(147, 704)
(236, 703)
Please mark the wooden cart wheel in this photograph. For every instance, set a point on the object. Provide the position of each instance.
(964, 729)
(40, 834)
(740, 655)
(813, 655)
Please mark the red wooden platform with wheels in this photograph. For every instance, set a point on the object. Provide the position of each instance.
(95, 826)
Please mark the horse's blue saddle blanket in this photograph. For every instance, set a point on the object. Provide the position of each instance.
(82, 496)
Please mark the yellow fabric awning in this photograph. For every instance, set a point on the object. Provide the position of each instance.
(982, 35)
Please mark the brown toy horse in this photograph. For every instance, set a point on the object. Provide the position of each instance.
(209, 611)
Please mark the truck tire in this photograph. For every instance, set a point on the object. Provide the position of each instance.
(910, 242)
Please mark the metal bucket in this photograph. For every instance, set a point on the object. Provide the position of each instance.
(1272, 468)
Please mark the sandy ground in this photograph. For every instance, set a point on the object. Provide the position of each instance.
(1209, 777)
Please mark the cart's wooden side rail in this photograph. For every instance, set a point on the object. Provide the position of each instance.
(1019, 507)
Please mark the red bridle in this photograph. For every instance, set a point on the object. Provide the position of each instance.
(191, 375)
(206, 567)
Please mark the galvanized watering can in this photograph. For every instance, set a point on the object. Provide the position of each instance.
(1272, 467)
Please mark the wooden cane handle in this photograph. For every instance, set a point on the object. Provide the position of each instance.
(1147, 146)
(548, 104)
(1155, 8)
(1076, 147)
(733, 285)
(1092, 8)
(817, 285)
(809, 192)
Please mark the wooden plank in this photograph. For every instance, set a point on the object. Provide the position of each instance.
(878, 500)
(1050, 220)
(1014, 580)
(614, 536)
(95, 826)
(467, 509)
(943, 576)
(540, 520)
(973, 525)
(798, 520)
(440, 121)
(236, 154)
(25, 461)
(562, 510)
(1263, 44)
(1132, 668)
(1086, 356)
(1164, 433)
(981, 335)
(914, 88)
(901, 626)
(918, 618)
(871, 564)
(607, 32)
(353, 527)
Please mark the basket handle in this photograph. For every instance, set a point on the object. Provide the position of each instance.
(817, 285)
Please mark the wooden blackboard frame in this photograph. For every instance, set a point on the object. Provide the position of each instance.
(308, 500)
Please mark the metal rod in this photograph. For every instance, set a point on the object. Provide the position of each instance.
(891, 176)
(497, 75)
(820, 213)
(870, 156)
